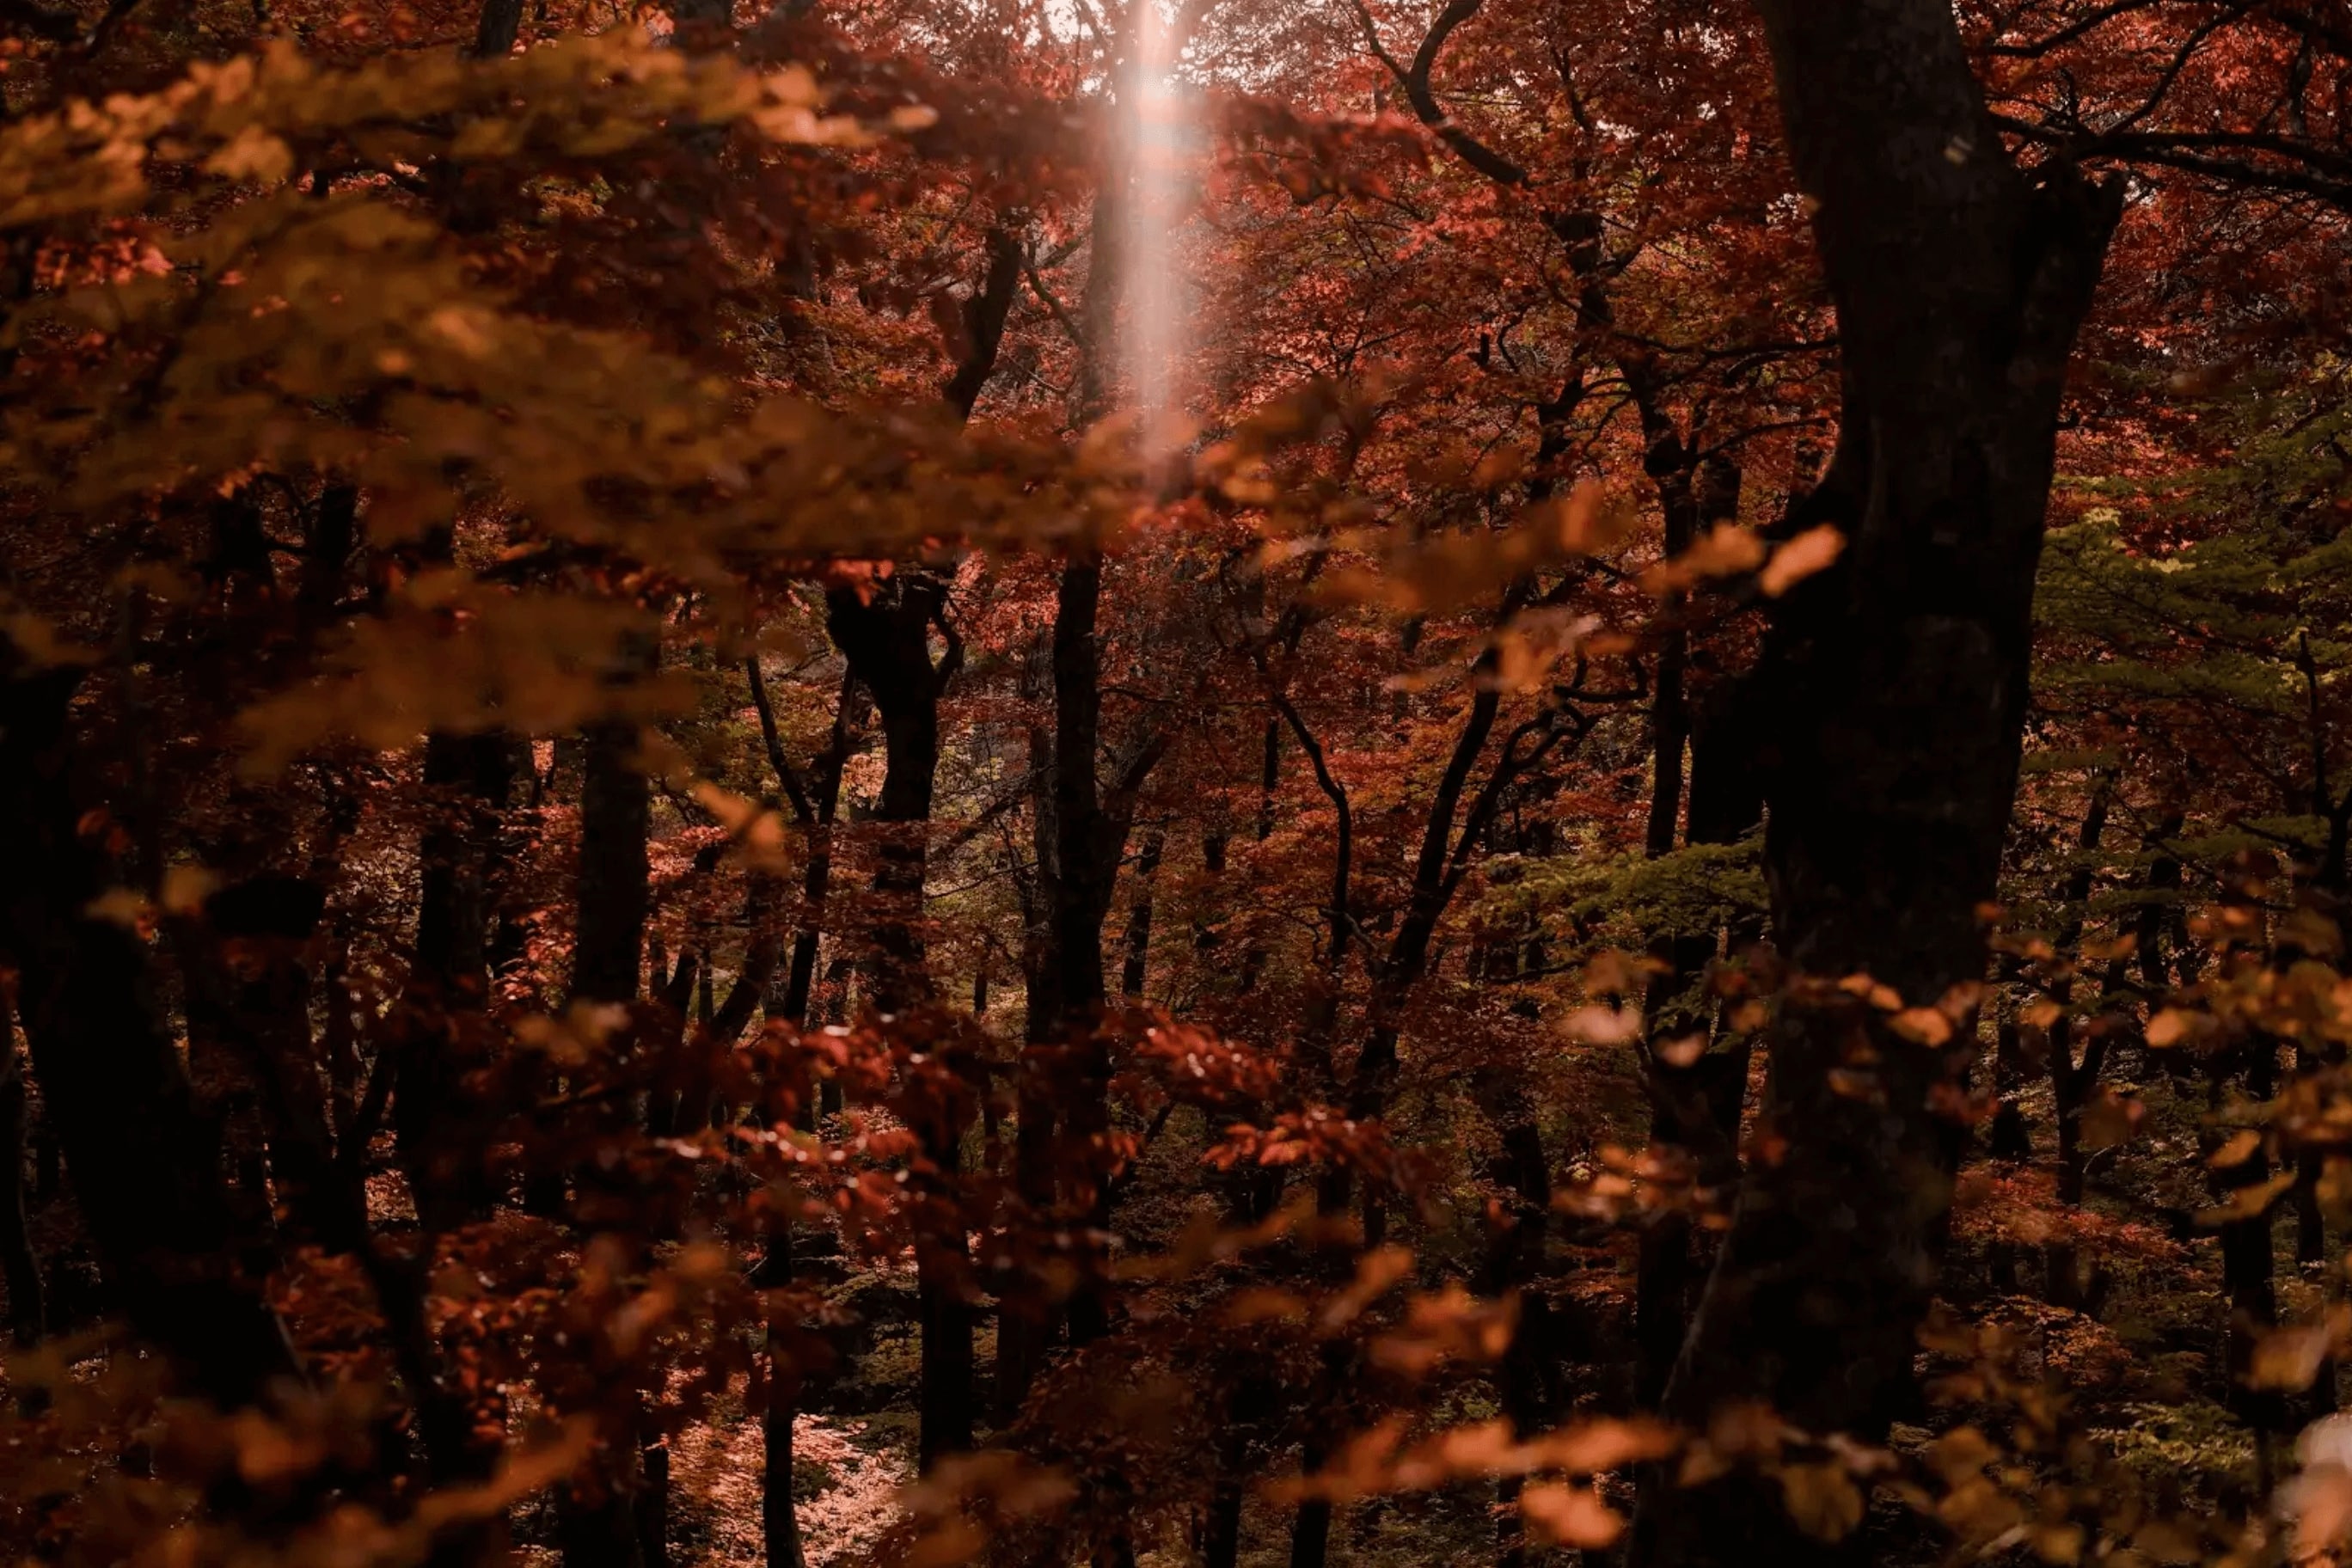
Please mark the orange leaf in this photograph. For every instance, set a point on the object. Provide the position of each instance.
(2246, 1202)
(1808, 552)
(1922, 1026)
(2288, 1358)
(1571, 1516)
(2237, 1151)
(1593, 1446)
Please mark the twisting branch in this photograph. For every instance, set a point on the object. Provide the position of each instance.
(1343, 853)
(796, 787)
(1054, 307)
(1546, 732)
(1414, 80)
(2068, 33)
(2179, 61)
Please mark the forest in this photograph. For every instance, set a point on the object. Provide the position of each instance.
(883, 784)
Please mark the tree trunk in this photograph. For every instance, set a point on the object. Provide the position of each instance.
(1065, 1068)
(1087, 845)
(1686, 1112)
(1895, 685)
(263, 1003)
(817, 803)
(1025, 1319)
(327, 546)
(1254, 956)
(1524, 1380)
(822, 807)
(27, 1315)
(441, 1130)
(500, 25)
(177, 1259)
(780, 1528)
(2071, 1082)
(614, 901)
(2249, 1261)
(1139, 921)
(887, 640)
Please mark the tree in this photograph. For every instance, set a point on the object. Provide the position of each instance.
(1898, 683)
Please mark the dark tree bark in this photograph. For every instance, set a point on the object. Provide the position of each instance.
(441, 1131)
(1026, 1321)
(27, 1315)
(1692, 1102)
(1137, 965)
(326, 547)
(1253, 954)
(815, 799)
(1524, 1380)
(982, 317)
(1895, 685)
(780, 1526)
(2072, 1081)
(614, 901)
(502, 25)
(2310, 1217)
(616, 809)
(263, 1000)
(176, 1257)
(2249, 1258)
(886, 639)
(2010, 1136)
(1090, 838)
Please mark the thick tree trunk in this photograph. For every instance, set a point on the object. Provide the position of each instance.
(1525, 1382)
(1065, 1068)
(1895, 685)
(1087, 846)
(175, 1257)
(887, 640)
(441, 1131)
(1686, 1112)
(613, 896)
(983, 315)
(262, 1001)
(614, 901)
(499, 25)
(326, 547)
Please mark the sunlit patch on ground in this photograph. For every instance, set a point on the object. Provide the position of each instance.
(845, 1481)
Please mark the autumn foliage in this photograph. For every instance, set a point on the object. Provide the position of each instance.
(1265, 780)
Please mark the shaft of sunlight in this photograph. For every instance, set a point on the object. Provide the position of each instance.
(1154, 215)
